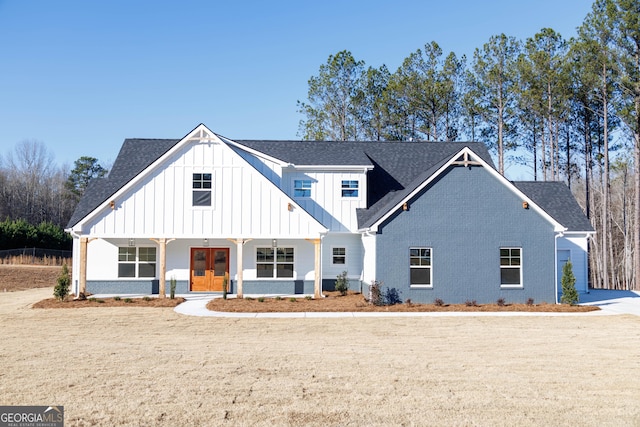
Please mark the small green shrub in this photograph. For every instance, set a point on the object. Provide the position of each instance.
(501, 302)
(278, 298)
(61, 290)
(392, 296)
(471, 303)
(308, 297)
(100, 301)
(117, 298)
(261, 299)
(438, 302)
(569, 292)
(293, 299)
(530, 301)
(249, 298)
(342, 283)
(172, 287)
(147, 298)
(92, 299)
(128, 300)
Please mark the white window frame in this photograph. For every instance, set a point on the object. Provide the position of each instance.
(333, 256)
(275, 263)
(510, 266)
(136, 262)
(302, 185)
(348, 188)
(420, 266)
(200, 185)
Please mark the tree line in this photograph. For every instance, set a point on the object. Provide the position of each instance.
(37, 198)
(566, 109)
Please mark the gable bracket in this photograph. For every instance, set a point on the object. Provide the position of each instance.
(466, 161)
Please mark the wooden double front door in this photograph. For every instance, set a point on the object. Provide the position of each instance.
(209, 267)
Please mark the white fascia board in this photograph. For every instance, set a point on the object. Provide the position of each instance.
(332, 168)
(253, 151)
(466, 150)
(190, 137)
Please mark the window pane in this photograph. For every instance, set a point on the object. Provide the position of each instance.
(420, 276)
(147, 270)
(504, 252)
(339, 256)
(285, 270)
(285, 255)
(206, 177)
(202, 198)
(147, 254)
(126, 270)
(302, 188)
(197, 177)
(127, 254)
(264, 270)
(264, 255)
(509, 276)
(350, 188)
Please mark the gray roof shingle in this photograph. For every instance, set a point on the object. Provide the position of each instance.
(398, 169)
(556, 199)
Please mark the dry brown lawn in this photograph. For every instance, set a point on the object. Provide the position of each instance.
(19, 277)
(134, 366)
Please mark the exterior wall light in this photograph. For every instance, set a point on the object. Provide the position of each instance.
(525, 205)
(132, 242)
(274, 243)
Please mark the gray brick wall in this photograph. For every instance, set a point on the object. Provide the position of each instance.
(465, 217)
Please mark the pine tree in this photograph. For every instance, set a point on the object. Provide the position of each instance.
(569, 293)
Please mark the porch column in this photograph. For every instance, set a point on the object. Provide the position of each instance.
(239, 245)
(317, 284)
(84, 241)
(162, 293)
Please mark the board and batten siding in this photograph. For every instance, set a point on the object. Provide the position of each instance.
(326, 203)
(244, 202)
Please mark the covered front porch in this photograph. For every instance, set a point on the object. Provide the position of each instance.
(148, 265)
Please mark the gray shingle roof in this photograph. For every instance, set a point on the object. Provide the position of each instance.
(398, 169)
(555, 198)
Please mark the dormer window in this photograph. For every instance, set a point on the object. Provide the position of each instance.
(350, 188)
(202, 189)
(302, 188)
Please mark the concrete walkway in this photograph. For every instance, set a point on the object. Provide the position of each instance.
(610, 302)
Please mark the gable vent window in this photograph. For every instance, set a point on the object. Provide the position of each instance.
(202, 189)
(350, 188)
(302, 188)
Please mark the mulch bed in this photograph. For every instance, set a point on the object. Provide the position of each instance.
(109, 302)
(355, 302)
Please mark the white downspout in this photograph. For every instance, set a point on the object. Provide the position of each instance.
(555, 263)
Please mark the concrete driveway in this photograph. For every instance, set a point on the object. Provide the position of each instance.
(614, 302)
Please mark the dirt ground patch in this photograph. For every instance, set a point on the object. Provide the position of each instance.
(122, 367)
(354, 302)
(19, 277)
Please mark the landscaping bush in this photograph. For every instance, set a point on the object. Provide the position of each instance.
(342, 283)
(569, 292)
(61, 290)
(392, 297)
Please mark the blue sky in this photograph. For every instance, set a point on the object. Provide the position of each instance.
(81, 76)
